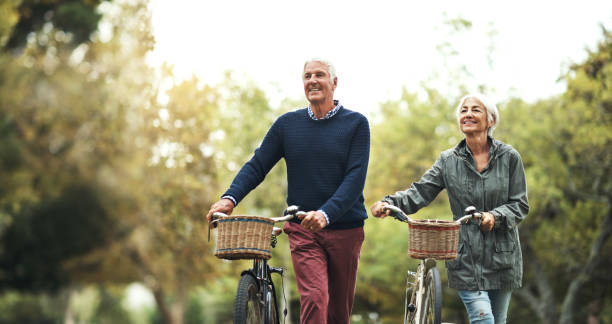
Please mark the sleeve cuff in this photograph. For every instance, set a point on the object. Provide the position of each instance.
(498, 220)
(230, 198)
(387, 200)
(324, 214)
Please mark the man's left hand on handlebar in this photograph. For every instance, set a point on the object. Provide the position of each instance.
(313, 221)
(224, 205)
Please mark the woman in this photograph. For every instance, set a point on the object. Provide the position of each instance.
(488, 174)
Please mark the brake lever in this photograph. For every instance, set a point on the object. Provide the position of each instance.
(215, 221)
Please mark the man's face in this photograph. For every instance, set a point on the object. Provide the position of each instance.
(318, 86)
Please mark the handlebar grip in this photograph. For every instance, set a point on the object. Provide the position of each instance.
(397, 213)
(218, 215)
(466, 218)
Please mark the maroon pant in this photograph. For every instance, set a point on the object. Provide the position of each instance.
(325, 265)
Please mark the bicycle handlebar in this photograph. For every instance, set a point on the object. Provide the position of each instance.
(399, 214)
(291, 212)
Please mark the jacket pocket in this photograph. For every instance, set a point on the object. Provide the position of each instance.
(503, 256)
(456, 263)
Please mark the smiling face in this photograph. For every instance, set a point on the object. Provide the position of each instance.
(318, 85)
(473, 117)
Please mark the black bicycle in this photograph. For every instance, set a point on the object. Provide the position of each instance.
(256, 301)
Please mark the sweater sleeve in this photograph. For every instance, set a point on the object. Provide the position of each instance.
(255, 170)
(422, 192)
(353, 182)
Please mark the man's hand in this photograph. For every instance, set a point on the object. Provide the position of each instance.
(314, 221)
(488, 220)
(377, 209)
(224, 206)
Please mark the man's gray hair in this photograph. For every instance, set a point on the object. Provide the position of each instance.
(330, 67)
(492, 113)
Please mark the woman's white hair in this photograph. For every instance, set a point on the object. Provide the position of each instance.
(330, 67)
(492, 113)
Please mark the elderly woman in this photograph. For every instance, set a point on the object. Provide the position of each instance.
(488, 174)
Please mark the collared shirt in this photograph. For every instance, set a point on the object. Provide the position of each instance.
(329, 114)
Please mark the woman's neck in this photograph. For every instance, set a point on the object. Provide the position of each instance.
(478, 143)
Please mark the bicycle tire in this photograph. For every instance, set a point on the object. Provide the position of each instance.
(247, 306)
(432, 307)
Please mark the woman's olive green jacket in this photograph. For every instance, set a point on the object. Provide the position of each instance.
(485, 260)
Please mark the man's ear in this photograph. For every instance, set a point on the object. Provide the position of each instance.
(335, 83)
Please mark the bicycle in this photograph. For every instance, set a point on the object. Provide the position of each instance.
(256, 295)
(423, 302)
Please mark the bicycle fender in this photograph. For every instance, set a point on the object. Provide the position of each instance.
(250, 273)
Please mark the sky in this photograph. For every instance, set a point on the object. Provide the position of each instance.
(516, 48)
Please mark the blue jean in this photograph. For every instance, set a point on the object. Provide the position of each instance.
(486, 306)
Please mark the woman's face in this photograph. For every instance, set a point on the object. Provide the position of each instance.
(473, 117)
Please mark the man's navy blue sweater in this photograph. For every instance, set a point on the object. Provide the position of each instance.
(327, 162)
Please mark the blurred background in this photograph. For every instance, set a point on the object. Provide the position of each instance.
(122, 121)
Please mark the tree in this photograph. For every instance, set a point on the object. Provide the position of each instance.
(77, 18)
(65, 117)
(566, 143)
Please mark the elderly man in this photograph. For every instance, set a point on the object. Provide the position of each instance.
(326, 148)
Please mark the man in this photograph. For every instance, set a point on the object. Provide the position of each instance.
(326, 148)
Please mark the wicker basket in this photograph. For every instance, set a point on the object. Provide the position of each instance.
(244, 237)
(436, 239)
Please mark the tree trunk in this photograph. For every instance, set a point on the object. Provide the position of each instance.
(69, 313)
(177, 308)
(543, 300)
(160, 300)
(594, 310)
(567, 310)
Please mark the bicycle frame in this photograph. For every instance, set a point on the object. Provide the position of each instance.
(419, 291)
(416, 300)
(262, 274)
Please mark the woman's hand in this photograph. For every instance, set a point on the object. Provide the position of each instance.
(378, 211)
(488, 220)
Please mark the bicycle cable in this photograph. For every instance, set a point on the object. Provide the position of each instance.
(284, 296)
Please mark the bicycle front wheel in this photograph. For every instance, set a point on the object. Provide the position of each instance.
(247, 306)
(432, 305)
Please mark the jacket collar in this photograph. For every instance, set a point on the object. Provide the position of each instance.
(495, 148)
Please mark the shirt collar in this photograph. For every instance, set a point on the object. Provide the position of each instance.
(329, 114)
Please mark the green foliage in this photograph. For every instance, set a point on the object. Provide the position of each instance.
(59, 166)
(106, 173)
(35, 260)
(28, 308)
(8, 18)
(78, 18)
